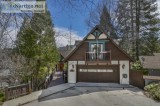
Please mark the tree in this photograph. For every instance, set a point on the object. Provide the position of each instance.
(47, 54)
(149, 28)
(36, 41)
(125, 30)
(105, 23)
(138, 24)
(104, 16)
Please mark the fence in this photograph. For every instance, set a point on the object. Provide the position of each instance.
(17, 91)
(46, 81)
(150, 79)
(24, 89)
(136, 79)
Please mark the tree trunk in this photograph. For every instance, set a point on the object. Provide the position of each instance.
(132, 29)
(137, 28)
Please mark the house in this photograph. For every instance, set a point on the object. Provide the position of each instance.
(97, 58)
(151, 63)
(63, 52)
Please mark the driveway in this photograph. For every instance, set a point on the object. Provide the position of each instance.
(96, 96)
(57, 79)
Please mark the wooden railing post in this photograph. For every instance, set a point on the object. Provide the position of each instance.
(29, 87)
(6, 93)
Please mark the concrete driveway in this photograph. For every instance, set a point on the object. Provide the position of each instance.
(96, 96)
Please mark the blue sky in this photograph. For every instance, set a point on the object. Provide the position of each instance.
(64, 17)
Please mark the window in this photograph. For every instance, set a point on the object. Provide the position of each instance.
(96, 50)
(83, 70)
(92, 70)
(109, 70)
(96, 70)
(101, 70)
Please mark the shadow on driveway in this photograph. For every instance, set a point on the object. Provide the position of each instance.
(76, 91)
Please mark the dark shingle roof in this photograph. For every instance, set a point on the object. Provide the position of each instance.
(150, 62)
(65, 50)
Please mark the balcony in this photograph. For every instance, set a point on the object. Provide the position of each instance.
(98, 58)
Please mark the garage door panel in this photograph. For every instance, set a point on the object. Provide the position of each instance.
(102, 74)
(84, 78)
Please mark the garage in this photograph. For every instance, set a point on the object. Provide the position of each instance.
(98, 73)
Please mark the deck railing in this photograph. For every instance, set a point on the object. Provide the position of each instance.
(17, 91)
(101, 56)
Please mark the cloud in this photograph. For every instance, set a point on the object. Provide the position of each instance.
(64, 36)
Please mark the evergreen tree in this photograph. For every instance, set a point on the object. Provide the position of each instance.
(138, 24)
(47, 54)
(105, 23)
(124, 26)
(149, 25)
(36, 41)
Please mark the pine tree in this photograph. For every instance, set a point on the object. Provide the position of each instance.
(149, 25)
(27, 47)
(105, 23)
(124, 26)
(47, 55)
(138, 24)
(36, 41)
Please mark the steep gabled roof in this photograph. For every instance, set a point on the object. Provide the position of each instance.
(96, 27)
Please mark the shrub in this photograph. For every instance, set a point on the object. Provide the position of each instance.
(2, 96)
(138, 67)
(154, 90)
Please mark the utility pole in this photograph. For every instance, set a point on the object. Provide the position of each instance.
(70, 36)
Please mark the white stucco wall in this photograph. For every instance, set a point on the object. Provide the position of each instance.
(72, 75)
(114, 62)
(91, 36)
(102, 36)
(124, 71)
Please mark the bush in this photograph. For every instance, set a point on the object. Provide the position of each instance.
(154, 90)
(2, 96)
(138, 67)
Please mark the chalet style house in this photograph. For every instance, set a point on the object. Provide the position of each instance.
(97, 58)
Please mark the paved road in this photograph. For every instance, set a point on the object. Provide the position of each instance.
(57, 79)
(96, 96)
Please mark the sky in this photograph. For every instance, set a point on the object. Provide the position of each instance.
(66, 17)
(68, 20)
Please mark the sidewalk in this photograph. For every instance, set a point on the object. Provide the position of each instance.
(37, 95)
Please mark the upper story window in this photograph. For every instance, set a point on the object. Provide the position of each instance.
(96, 50)
(97, 47)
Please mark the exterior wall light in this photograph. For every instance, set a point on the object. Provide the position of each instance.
(123, 66)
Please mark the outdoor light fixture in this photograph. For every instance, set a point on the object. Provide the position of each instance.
(72, 66)
(123, 66)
